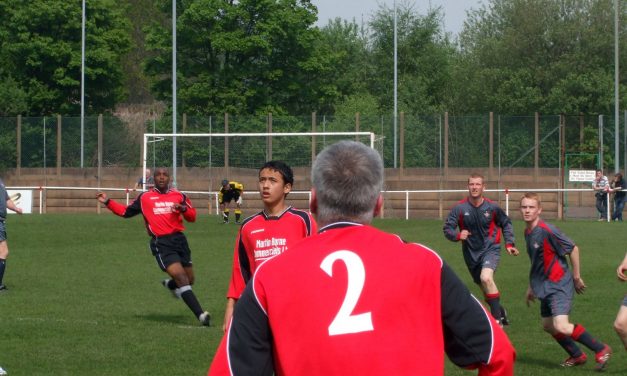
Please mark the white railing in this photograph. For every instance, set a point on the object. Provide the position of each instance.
(213, 195)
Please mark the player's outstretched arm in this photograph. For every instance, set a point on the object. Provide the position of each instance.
(11, 205)
(121, 210)
(472, 338)
(622, 268)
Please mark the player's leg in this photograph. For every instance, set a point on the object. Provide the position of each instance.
(4, 254)
(557, 327)
(171, 253)
(620, 324)
(238, 210)
(180, 276)
(224, 209)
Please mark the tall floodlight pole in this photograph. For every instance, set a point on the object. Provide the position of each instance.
(395, 84)
(616, 103)
(174, 92)
(83, 84)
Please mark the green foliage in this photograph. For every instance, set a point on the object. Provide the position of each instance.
(525, 56)
(42, 51)
(240, 57)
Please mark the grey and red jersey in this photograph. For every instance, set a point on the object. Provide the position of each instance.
(485, 223)
(547, 247)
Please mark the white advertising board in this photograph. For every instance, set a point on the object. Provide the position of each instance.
(581, 175)
(23, 199)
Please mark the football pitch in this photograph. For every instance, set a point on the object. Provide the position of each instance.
(85, 296)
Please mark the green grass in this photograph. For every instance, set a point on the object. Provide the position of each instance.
(85, 299)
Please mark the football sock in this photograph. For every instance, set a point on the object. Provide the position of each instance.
(171, 284)
(568, 344)
(494, 301)
(225, 215)
(3, 265)
(238, 214)
(190, 299)
(581, 335)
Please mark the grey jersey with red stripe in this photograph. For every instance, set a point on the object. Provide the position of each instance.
(547, 247)
(484, 222)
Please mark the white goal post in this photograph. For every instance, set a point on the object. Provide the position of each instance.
(246, 150)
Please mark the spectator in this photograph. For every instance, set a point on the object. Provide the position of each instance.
(617, 186)
(601, 186)
(145, 183)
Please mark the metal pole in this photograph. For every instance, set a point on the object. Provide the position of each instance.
(174, 92)
(83, 85)
(395, 83)
(616, 102)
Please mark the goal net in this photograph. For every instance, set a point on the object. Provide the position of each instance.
(218, 153)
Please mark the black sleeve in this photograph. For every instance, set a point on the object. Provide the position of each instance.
(467, 328)
(250, 340)
(134, 208)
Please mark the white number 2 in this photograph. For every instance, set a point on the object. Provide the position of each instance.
(344, 322)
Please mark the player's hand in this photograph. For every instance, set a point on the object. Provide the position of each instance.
(102, 197)
(530, 297)
(18, 210)
(464, 235)
(620, 272)
(179, 208)
(513, 251)
(580, 286)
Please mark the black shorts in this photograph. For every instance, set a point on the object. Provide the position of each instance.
(171, 249)
(230, 195)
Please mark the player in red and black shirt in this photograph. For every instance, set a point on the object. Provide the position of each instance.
(162, 209)
(268, 233)
(353, 300)
(477, 222)
(554, 285)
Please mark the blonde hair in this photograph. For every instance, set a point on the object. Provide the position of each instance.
(532, 196)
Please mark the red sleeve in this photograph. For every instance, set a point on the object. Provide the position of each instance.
(219, 364)
(116, 208)
(190, 213)
(237, 283)
(503, 356)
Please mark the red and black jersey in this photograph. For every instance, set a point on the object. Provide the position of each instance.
(262, 237)
(484, 222)
(156, 207)
(354, 300)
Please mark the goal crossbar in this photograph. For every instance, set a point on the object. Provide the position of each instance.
(289, 134)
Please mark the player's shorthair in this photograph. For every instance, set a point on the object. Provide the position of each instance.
(532, 196)
(348, 178)
(282, 168)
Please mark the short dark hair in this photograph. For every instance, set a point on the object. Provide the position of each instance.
(282, 168)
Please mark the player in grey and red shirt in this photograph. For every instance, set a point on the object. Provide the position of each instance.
(478, 222)
(551, 281)
(354, 300)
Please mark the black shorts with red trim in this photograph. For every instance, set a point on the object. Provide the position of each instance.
(170, 249)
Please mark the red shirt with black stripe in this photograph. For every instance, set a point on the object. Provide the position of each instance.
(353, 300)
(262, 237)
(156, 208)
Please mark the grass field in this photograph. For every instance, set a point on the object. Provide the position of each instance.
(84, 296)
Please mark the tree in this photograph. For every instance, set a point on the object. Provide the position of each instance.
(242, 57)
(41, 48)
(424, 57)
(523, 56)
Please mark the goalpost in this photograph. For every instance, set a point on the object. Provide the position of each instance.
(241, 150)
